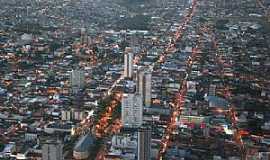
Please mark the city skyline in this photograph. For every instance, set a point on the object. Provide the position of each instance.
(135, 80)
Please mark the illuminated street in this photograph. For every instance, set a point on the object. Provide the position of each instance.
(135, 80)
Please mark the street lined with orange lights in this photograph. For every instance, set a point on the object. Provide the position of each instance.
(162, 79)
(177, 108)
(238, 133)
(176, 37)
(103, 126)
(180, 98)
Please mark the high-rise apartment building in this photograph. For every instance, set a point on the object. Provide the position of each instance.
(144, 143)
(144, 86)
(138, 110)
(128, 63)
(77, 80)
(132, 110)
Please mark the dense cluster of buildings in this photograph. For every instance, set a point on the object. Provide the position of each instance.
(193, 83)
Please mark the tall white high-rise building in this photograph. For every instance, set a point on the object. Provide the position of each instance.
(144, 86)
(132, 110)
(52, 150)
(128, 62)
(148, 89)
(138, 110)
(127, 105)
(77, 80)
